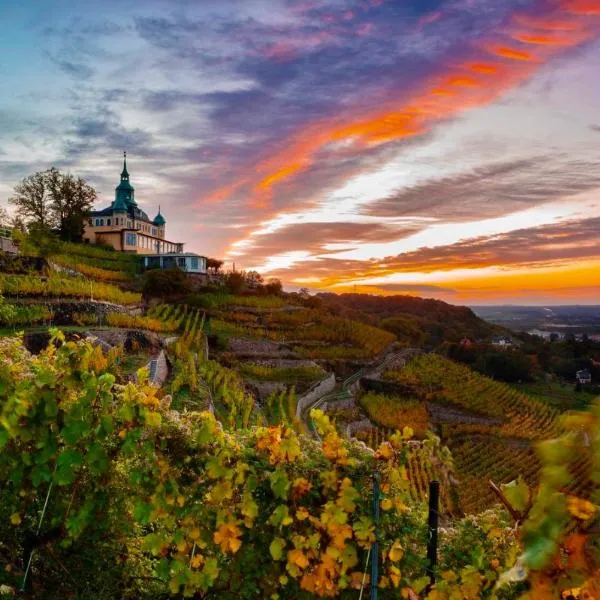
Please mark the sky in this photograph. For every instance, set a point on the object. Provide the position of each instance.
(439, 148)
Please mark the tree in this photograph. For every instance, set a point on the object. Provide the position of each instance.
(253, 279)
(235, 282)
(273, 287)
(32, 200)
(214, 265)
(49, 199)
(71, 199)
(161, 283)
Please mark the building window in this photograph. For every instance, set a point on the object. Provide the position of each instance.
(108, 221)
(194, 263)
(130, 239)
(128, 223)
(181, 262)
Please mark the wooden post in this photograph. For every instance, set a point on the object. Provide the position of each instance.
(375, 547)
(432, 527)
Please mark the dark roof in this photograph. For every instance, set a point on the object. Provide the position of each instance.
(159, 220)
(105, 212)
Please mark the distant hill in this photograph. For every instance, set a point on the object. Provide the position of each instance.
(418, 321)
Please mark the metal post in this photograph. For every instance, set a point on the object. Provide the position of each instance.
(375, 547)
(432, 539)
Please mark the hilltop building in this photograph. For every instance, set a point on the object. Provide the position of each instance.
(127, 228)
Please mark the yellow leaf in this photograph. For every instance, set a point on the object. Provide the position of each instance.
(396, 551)
(298, 558)
(196, 561)
(15, 519)
(386, 504)
(581, 508)
(153, 419)
(385, 451)
(395, 575)
(301, 514)
(227, 537)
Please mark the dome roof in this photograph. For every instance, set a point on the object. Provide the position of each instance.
(159, 220)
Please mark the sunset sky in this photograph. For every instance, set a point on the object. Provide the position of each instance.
(442, 148)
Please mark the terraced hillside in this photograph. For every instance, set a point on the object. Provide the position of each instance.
(489, 427)
(308, 333)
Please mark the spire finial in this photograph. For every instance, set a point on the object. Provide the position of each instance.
(125, 174)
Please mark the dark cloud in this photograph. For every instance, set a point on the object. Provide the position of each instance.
(103, 128)
(76, 70)
(494, 190)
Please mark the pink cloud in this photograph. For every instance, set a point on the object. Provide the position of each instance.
(365, 29)
(429, 18)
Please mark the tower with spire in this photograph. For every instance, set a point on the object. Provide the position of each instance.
(125, 226)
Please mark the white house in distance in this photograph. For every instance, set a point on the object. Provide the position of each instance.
(583, 376)
(127, 228)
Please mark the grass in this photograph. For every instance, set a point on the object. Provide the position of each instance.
(130, 363)
(558, 395)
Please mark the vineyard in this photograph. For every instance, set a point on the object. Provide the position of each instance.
(274, 373)
(396, 413)
(14, 315)
(438, 379)
(89, 270)
(61, 286)
(191, 503)
(149, 502)
(312, 334)
(97, 257)
(477, 460)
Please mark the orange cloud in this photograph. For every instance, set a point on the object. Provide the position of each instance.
(484, 68)
(441, 97)
(463, 81)
(583, 7)
(547, 24)
(511, 53)
(528, 38)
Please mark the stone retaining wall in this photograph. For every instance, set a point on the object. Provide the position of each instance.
(338, 405)
(63, 310)
(352, 428)
(325, 386)
(162, 369)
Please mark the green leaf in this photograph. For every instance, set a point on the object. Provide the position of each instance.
(3, 438)
(280, 484)
(280, 516)
(276, 548)
(517, 493)
(66, 464)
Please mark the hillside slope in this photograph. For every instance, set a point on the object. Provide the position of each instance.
(418, 321)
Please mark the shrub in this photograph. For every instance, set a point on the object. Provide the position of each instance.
(165, 282)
